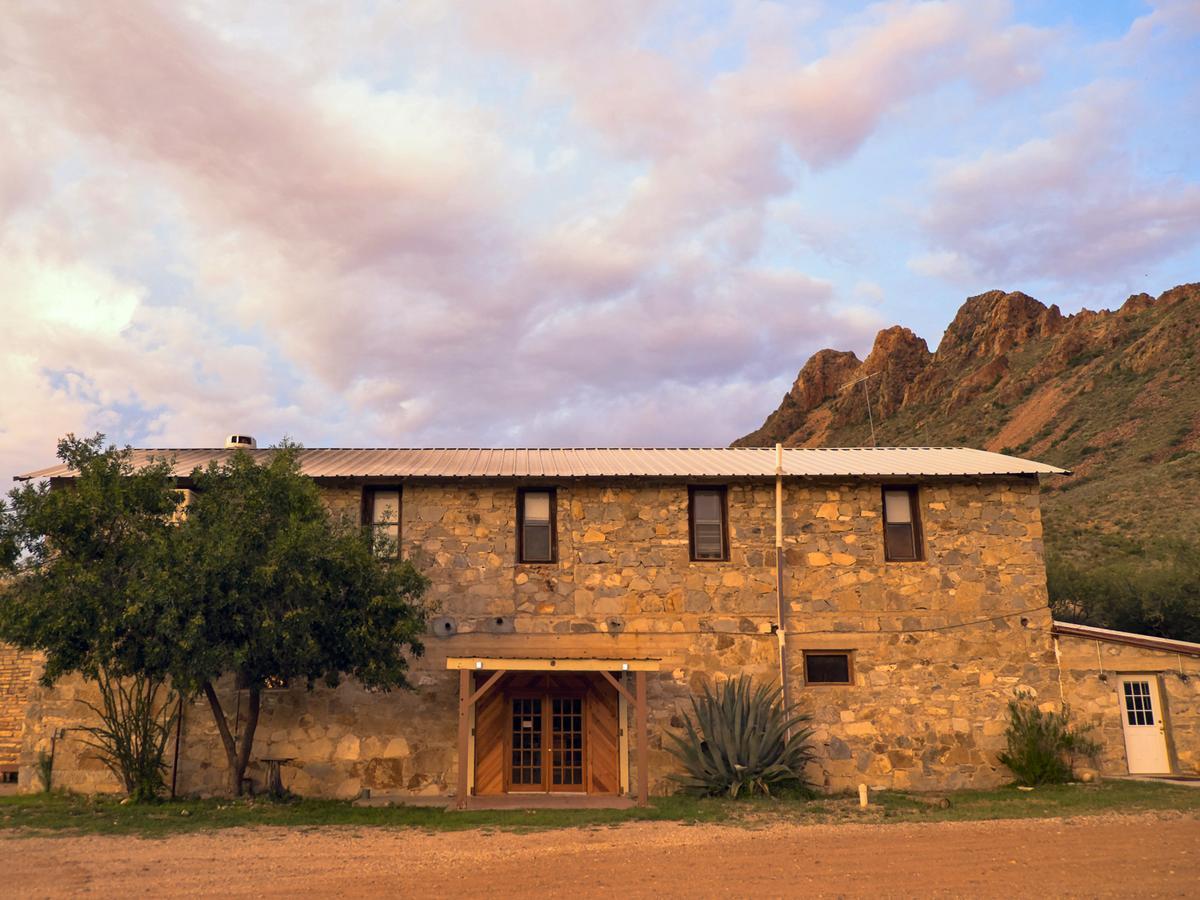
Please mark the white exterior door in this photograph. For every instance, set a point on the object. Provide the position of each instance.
(1141, 718)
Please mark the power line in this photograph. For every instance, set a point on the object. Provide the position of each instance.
(791, 632)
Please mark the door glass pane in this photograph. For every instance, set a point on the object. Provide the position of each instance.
(526, 741)
(566, 749)
(896, 507)
(1139, 709)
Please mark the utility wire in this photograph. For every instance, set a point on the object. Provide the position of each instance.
(790, 632)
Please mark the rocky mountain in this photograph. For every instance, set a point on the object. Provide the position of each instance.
(1112, 395)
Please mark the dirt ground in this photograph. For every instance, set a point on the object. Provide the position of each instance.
(1145, 856)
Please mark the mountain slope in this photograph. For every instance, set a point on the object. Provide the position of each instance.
(1114, 396)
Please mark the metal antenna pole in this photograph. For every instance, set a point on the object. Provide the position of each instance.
(870, 416)
(867, 397)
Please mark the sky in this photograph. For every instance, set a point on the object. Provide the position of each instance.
(540, 223)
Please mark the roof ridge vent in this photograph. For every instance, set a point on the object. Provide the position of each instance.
(240, 442)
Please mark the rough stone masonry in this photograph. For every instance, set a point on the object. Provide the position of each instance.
(938, 646)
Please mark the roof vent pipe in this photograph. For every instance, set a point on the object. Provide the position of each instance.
(241, 441)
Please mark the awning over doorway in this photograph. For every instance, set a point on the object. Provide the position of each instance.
(468, 696)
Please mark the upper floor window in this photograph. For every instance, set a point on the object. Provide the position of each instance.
(381, 514)
(901, 524)
(707, 520)
(536, 519)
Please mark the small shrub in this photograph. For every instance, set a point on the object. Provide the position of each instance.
(1042, 746)
(135, 725)
(738, 742)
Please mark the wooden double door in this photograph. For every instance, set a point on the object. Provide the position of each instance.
(543, 733)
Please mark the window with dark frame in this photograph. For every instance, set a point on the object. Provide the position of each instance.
(901, 524)
(827, 667)
(709, 528)
(381, 514)
(536, 525)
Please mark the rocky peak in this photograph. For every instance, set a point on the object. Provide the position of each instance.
(817, 383)
(993, 323)
(898, 356)
(822, 376)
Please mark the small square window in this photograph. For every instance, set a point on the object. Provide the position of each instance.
(827, 667)
(8, 776)
(536, 520)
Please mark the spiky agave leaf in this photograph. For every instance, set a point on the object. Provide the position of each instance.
(737, 741)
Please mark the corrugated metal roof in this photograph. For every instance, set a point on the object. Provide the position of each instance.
(618, 462)
(1109, 635)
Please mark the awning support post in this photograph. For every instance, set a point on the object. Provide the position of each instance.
(643, 748)
(464, 734)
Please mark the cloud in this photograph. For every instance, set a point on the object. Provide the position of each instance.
(477, 222)
(1072, 206)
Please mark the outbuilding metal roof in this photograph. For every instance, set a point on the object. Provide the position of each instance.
(1111, 636)
(619, 462)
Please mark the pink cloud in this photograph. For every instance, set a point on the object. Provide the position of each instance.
(1071, 205)
(498, 221)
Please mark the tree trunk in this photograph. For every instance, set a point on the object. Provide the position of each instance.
(227, 741)
(237, 749)
(247, 735)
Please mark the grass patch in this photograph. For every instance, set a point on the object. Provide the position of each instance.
(68, 814)
(1046, 801)
(74, 813)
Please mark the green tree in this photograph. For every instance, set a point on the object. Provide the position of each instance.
(271, 586)
(84, 583)
(1155, 593)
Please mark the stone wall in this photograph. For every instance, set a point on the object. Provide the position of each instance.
(939, 646)
(1096, 701)
(16, 677)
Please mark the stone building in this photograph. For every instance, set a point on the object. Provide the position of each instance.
(580, 597)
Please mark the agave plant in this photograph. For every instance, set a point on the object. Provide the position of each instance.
(742, 741)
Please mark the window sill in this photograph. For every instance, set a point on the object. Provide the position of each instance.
(829, 684)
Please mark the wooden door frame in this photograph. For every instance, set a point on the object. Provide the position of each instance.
(509, 787)
(582, 696)
(497, 667)
(546, 695)
(1160, 709)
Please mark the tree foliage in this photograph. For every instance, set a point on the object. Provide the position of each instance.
(272, 587)
(85, 579)
(1156, 593)
(738, 742)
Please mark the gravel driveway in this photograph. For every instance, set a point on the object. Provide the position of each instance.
(1144, 856)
